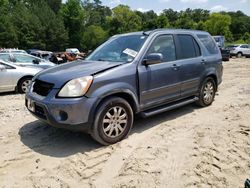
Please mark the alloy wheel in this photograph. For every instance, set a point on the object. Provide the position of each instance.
(25, 85)
(208, 92)
(115, 121)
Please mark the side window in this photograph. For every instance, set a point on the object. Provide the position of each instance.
(209, 44)
(164, 44)
(5, 57)
(188, 47)
(23, 58)
(244, 46)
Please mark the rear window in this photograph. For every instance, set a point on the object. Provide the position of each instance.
(188, 46)
(209, 43)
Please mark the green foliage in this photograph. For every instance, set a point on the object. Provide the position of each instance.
(85, 24)
(218, 24)
(162, 22)
(149, 20)
(123, 20)
(74, 21)
(92, 37)
(246, 37)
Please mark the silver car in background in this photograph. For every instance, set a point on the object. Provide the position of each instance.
(239, 50)
(15, 78)
(26, 60)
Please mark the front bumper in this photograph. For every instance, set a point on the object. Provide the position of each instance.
(73, 114)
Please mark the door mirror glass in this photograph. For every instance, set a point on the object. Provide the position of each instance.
(153, 58)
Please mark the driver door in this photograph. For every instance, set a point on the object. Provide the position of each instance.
(160, 83)
(6, 78)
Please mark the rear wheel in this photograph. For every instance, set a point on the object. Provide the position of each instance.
(207, 92)
(113, 121)
(23, 84)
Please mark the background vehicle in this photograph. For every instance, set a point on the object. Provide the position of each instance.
(13, 51)
(239, 50)
(47, 55)
(29, 51)
(15, 78)
(26, 60)
(72, 50)
(220, 41)
(142, 73)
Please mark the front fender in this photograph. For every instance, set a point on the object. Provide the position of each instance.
(112, 89)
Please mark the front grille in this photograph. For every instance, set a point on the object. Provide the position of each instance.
(42, 88)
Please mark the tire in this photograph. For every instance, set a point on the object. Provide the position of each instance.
(23, 84)
(207, 92)
(109, 128)
(239, 55)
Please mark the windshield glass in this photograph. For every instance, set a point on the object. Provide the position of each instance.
(119, 49)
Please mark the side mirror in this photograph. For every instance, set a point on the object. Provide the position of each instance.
(36, 61)
(2, 67)
(153, 58)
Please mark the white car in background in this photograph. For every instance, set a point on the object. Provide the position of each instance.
(239, 50)
(16, 78)
(26, 60)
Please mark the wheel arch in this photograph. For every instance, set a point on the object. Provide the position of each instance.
(214, 77)
(20, 79)
(124, 94)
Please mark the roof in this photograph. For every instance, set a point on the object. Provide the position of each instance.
(150, 32)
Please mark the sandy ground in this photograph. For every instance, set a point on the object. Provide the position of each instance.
(187, 147)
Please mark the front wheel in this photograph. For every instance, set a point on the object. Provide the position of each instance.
(113, 121)
(207, 92)
(239, 55)
(23, 85)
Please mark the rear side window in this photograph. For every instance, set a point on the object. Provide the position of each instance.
(188, 47)
(209, 43)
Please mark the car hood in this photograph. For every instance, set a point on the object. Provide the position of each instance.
(61, 74)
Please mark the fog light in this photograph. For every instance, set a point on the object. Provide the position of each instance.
(63, 116)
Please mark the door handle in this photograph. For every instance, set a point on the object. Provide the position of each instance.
(176, 67)
(203, 62)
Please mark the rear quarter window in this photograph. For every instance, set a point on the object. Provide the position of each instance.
(209, 43)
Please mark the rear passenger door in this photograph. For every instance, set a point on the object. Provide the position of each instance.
(191, 63)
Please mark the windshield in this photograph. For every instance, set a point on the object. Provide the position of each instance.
(119, 49)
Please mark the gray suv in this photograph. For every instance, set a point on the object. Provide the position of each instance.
(142, 73)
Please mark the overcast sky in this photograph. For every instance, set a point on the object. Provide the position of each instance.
(159, 5)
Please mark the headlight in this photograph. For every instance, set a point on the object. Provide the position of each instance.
(76, 87)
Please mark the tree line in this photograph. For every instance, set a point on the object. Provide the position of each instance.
(84, 24)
